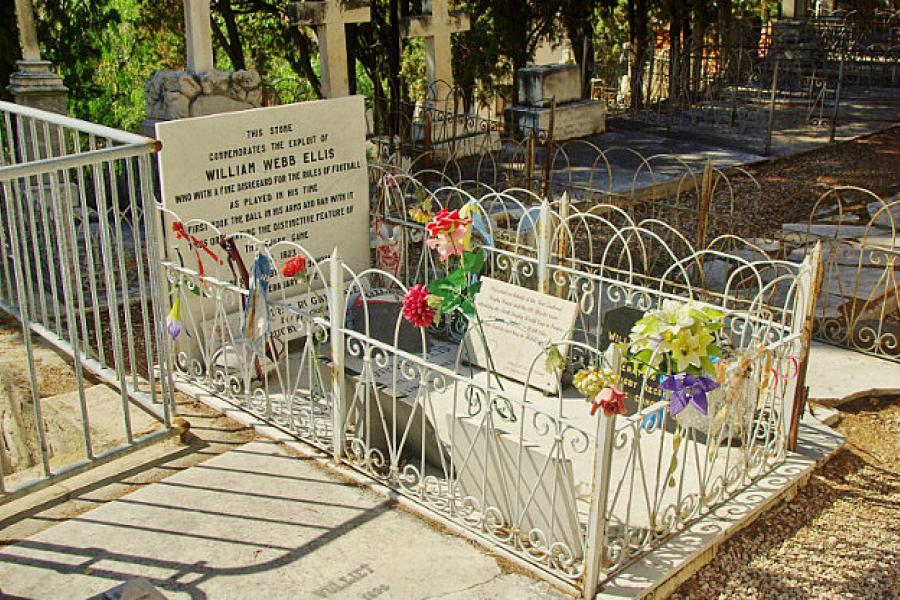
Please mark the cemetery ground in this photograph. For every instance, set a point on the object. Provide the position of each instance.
(838, 538)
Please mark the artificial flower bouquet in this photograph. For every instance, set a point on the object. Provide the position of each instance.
(450, 234)
(677, 343)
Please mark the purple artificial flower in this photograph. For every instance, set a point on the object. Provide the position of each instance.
(687, 389)
(174, 325)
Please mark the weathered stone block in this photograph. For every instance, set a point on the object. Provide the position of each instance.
(574, 120)
(177, 106)
(538, 85)
(215, 83)
(249, 80)
(189, 86)
(211, 105)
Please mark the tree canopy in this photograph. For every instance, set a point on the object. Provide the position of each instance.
(106, 49)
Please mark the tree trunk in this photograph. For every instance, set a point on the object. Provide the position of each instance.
(302, 66)
(674, 49)
(352, 46)
(233, 46)
(639, 48)
(577, 18)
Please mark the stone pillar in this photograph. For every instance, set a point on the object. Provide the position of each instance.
(198, 39)
(34, 84)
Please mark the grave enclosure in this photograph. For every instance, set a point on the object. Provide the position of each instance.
(516, 460)
(578, 244)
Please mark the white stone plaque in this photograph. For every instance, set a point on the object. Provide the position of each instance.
(518, 325)
(295, 172)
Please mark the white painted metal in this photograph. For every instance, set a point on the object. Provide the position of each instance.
(75, 266)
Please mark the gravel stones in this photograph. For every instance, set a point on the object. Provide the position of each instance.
(839, 538)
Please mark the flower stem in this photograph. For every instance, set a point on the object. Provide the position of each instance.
(487, 350)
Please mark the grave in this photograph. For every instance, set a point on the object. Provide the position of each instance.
(537, 87)
(34, 84)
(449, 134)
(330, 18)
(435, 26)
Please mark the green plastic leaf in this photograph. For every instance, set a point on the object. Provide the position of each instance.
(450, 303)
(472, 262)
(442, 287)
(555, 360)
(467, 308)
(457, 278)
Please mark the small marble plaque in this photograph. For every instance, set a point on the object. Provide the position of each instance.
(518, 325)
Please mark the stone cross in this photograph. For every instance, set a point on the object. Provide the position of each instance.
(330, 18)
(198, 40)
(436, 28)
(31, 51)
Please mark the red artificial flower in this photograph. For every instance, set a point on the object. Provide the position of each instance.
(415, 307)
(446, 222)
(612, 400)
(294, 267)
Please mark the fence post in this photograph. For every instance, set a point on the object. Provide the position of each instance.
(544, 237)
(548, 149)
(595, 547)
(562, 242)
(772, 99)
(529, 160)
(338, 382)
(813, 272)
(706, 189)
(837, 100)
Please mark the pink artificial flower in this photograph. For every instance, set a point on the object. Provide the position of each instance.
(450, 244)
(415, 307)
(612, 400)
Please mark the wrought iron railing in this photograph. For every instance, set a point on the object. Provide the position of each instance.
(77, 273)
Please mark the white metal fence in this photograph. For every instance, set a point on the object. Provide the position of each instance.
(575, 497)
(78, 275)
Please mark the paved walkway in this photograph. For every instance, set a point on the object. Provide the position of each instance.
(256, 523)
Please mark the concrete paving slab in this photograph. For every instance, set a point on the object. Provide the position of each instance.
(255, 523)
(837, 375)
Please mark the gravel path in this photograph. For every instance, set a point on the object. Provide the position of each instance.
(839, 538)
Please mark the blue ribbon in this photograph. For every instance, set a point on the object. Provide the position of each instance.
(257, 323)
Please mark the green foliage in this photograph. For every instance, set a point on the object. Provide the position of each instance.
(459, 288)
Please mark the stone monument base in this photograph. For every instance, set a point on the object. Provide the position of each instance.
(36, 86)
(574, 120)
(175, 95)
